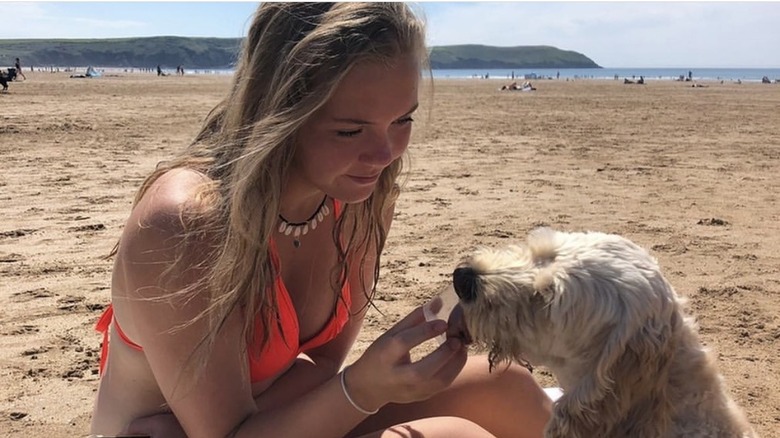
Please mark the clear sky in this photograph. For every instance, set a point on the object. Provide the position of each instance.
(613, 34)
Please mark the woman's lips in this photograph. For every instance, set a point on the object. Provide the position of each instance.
(364, 180)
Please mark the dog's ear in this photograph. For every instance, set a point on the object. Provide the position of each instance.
(544, 284)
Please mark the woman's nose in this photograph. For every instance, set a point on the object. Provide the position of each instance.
(379, 151)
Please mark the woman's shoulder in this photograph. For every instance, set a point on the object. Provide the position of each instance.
(161, 216)
(176, 192)
(177, 189)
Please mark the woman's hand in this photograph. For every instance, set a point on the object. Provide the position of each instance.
(385, 372)
(156, 426)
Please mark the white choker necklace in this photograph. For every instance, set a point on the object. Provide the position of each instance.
(298, 229)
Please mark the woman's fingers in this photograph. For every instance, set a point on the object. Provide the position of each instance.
(456, 326)
(415, 318)
(443, 364)
(455, 364)
(414, 336)
(431, 374)
(413, 330)
(402, 380)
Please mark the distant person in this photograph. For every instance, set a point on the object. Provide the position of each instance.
(92, 73)
(19, 72)
(558, 75)
(159, 70)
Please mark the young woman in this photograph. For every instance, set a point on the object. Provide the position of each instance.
(245, 269)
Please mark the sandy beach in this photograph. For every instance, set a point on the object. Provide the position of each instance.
(692, 174)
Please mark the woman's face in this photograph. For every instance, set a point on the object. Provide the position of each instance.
(365, 125)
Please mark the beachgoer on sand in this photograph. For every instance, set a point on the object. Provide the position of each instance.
(248, 262)
(18, 66)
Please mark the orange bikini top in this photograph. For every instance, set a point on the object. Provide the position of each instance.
(284, 340)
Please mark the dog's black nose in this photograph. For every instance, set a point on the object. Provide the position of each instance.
(465, 282)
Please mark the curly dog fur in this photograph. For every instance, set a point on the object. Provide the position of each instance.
(595, 309)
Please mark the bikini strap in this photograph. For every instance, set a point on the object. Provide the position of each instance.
(336, 208)
(102, 327)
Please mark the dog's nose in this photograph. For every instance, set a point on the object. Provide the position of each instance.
(464, 280)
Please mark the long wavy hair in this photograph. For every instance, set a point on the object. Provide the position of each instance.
(292, 59)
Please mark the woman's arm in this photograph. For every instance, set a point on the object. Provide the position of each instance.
(208, 400)
(391, 377)
(304, 375)
(212, 398)
(215, 399)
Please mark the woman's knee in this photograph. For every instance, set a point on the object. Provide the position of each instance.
(507, 400)
(434, 427)
(502, 379)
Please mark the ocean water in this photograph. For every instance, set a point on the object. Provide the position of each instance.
(702, 74)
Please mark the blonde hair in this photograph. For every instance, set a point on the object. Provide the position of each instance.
(294, 56)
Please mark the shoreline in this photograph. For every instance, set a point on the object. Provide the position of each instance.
(603, 74)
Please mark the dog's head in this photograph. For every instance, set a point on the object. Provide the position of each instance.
(574, 302)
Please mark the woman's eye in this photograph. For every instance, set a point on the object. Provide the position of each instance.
(352, 133)
(348, 133)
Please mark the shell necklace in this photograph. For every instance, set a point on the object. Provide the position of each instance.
(298, 229)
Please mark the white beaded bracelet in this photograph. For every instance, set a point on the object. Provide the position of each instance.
(349, 399)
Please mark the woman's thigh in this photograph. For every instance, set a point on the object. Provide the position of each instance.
(506, 402)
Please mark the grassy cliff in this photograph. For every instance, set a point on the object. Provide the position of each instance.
(123, 52)
(169, 52)
(477, 56)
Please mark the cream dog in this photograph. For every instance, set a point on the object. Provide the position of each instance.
(595, 309)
